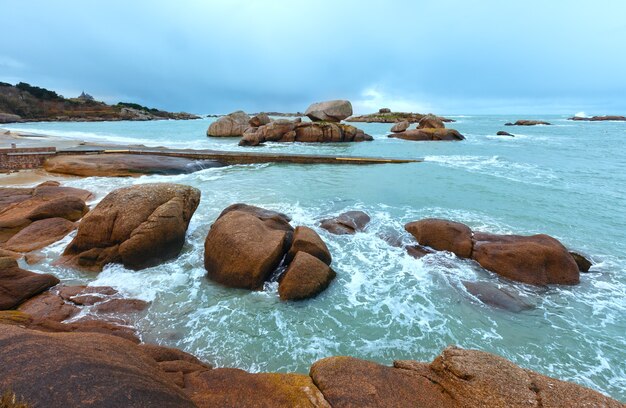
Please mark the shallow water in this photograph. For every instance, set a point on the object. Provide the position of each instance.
(566, 180)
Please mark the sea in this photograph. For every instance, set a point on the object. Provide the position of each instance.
(567, 180)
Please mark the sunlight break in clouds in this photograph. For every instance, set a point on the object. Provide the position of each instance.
(374, 98)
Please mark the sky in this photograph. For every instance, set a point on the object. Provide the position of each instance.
(217, 56)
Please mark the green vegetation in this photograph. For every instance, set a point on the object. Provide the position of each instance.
(137, 106)
(41, 93)
(5, 84)
(8, 399)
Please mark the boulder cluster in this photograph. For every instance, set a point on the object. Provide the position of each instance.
(536, 260)
(325, 126)
(526, 122)
(248, 245)
(429, 127)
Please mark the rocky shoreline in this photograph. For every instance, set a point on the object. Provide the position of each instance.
(51, 330)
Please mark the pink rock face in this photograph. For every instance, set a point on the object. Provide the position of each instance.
(329, 111)
(537, 260)
(442, 235)
(18, 285)
(306, 277)
(233, 124)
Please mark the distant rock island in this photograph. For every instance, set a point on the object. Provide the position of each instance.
(385, 115)
(27, 103)
(599, 118)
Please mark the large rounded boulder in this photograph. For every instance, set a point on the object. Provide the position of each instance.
(305, 277)
(442, 235)
(537, 259)
(307, 240)
(233, 124)
(138, 226)
(348, 223)
(329, 111)
(18, 285)
(245, 245)
(430, 121)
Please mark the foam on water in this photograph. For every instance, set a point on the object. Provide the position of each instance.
(385, 305)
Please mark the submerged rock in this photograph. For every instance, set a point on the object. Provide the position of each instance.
(138, 226)
(20, 207)
(329, 111)
(442, 235)
(503, 133)
(305, 277)
(18, 285)
(233, 124)
(429, 134)
(245, 245)
(523, 122)
(417, 251)
(348, 223)
(124, 165)
(537, 259)
(493, 295)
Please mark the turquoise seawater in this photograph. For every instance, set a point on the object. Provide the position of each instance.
(567, 180)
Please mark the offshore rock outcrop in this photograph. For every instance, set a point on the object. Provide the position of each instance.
(536, 260)
(599, 118)
(305, 132)
(138, 226)
(247, 244)
(388, 116)
(233, 124)
(329, 111)
(429, 128)
(525, 122)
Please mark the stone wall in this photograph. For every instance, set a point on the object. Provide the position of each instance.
(24, 158)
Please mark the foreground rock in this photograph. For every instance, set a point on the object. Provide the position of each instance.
(305, 132)
(20, 207)
(124, 165)
(348, 223)
(600, 118)
(430, 121)
(18, 285)
(138, 226)
(87, 369)
(305, 277)
(329, 111)
(245, 245)
(583, 263)
(307, 240)
(523, 122)
(431, 134)
(456, 378)
(233, 124)
(537, 260)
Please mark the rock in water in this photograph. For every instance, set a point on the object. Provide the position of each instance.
(305, 132)
(305, 277)
(583, 263)
(307, 240)
(442, 235)
(18, 285)
(429, 134)
(80, 370)
(347, 223)
(329, 111)
(124, 165)
(19, 207)
(233, 124)
(400, 126)
(430, 121)
(138, 226)
(39, 234)
(245, 245)
(537, 259)
(524, 122)
(503, 133)
(492, 295)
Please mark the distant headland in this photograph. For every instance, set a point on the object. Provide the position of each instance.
(26, 103)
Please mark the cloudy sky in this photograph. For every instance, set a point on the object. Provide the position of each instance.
(215, 56)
